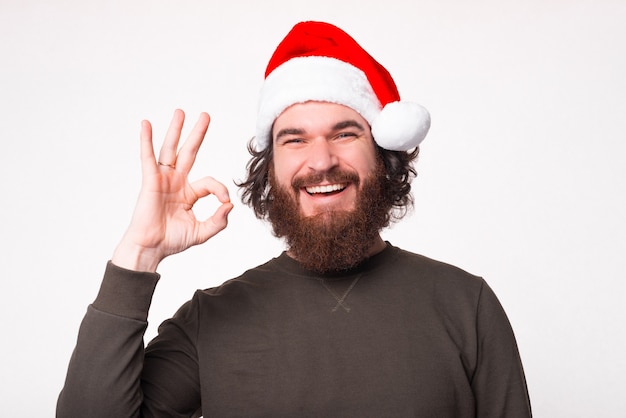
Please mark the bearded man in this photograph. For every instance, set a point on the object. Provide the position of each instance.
(342, 324)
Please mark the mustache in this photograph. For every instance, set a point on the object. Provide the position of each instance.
(332, 176)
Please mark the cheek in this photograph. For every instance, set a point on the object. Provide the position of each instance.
(283, 170)
(364, 162)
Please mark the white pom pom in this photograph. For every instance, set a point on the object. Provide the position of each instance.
(401, 126)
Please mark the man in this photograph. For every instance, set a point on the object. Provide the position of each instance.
(342, 324)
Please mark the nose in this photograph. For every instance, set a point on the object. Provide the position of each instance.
(321, 156)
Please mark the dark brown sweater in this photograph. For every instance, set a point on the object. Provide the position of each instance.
(399, 336)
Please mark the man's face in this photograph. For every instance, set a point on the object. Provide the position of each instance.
(326, 186)
(322, 152)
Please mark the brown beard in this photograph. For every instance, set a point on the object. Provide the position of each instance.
(333, 240)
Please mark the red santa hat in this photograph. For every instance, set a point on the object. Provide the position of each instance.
(320, 62)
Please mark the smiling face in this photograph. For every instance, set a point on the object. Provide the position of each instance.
(322, 153)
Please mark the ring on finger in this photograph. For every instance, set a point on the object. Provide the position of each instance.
(167, 165)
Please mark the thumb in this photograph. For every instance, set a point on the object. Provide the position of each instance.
(214, 224)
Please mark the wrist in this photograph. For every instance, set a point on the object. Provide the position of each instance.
(136, 258)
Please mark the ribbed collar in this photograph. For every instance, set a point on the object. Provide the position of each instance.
(291, 266)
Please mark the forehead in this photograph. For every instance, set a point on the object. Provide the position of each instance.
(311, 116)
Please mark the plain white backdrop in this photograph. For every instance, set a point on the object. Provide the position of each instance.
(521, 179)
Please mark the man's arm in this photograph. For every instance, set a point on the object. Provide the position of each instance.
(104, 376)
(499, 383)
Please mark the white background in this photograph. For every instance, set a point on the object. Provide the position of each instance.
(521, 179)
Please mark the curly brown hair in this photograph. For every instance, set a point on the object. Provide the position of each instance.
(399, 172)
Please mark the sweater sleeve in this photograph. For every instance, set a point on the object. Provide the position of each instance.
(104, 374)
(499, 384)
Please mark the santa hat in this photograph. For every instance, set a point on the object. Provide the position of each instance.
(319, 62)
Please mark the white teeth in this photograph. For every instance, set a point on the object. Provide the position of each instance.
(325, 189)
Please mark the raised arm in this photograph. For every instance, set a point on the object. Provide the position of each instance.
(105, 372)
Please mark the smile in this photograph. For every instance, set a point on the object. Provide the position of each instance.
(327, 188)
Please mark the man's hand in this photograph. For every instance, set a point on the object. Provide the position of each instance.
(163, 222)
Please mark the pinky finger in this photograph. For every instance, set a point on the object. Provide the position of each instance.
(148, 162)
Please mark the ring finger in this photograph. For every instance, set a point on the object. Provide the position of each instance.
(167, 155)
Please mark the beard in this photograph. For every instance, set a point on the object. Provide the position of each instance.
(332, 240)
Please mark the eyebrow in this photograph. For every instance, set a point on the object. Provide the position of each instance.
(350, 123)
(289, 131)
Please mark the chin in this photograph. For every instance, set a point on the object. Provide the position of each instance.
(325, 212)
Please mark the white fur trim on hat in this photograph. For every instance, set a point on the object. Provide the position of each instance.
(313, 78)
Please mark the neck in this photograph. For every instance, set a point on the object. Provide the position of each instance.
(377, 246)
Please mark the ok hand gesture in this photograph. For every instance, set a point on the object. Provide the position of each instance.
(163, 222)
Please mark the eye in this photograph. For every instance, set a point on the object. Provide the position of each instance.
(345, 135)
(293, 141)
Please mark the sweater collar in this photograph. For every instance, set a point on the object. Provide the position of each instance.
(289, 265)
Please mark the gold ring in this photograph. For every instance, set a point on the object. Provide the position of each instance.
(166, 165)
